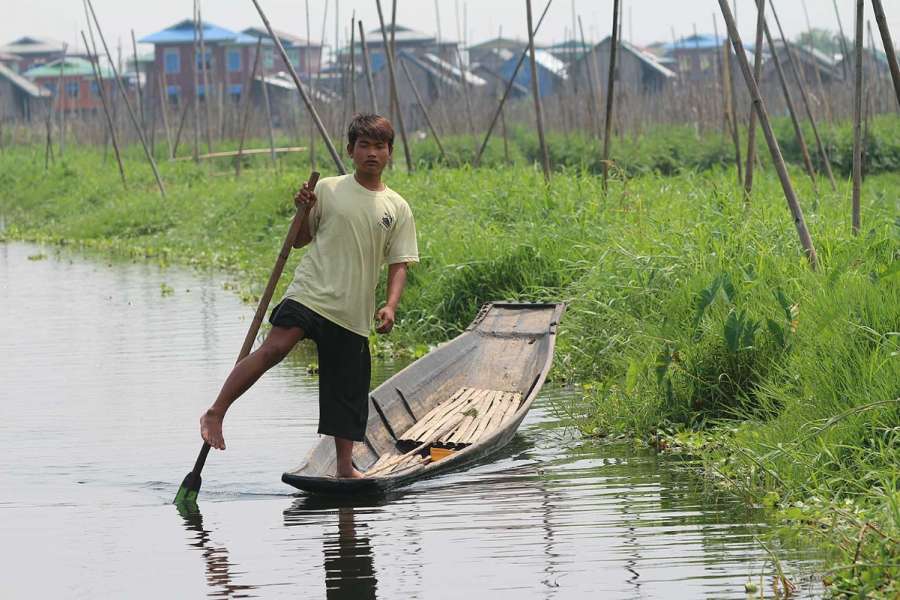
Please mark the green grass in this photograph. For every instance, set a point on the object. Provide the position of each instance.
(693, 316)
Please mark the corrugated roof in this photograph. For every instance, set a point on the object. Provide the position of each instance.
(183, 33)
(71, 67)
(402, 35)
(441, 69)
(287, 39)
(32, 45)
(284, 81)
(544, 59)
(30, 88)
(702, 41)
(500, 42)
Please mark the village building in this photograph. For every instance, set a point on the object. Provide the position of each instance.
(20, 99)
(568, 51)
(71, 83)
(812, 64)
(229, 59)
(32, 51)
(636, 70)
(412, 42)
(492, 54)
(10, 61)
(696, 57)
(551, 73)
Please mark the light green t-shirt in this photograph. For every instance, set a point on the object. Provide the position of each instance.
(355, 231)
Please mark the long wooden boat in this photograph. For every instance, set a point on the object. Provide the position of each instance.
(456, 405)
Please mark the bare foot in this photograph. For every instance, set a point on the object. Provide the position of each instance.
(353, 474)
(211, 429)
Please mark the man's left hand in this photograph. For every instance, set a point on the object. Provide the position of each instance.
(385, 318)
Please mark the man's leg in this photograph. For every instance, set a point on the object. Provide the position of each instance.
(344, 450)
(245, 373)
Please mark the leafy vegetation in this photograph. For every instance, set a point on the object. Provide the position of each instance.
(694, 320)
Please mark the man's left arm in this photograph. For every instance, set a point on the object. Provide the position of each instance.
(396, 281)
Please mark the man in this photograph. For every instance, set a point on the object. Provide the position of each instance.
(353, 225)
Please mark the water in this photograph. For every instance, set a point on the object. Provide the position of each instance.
(103, 376)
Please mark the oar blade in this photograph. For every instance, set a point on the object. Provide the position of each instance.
(189, 490)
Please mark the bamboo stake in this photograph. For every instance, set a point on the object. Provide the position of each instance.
(588, 66)
(731, 102)
(610, 89)
(421, 104)
(245, 110)
(181, 121)
(306, 100)
(536, 92)
(137, 80)
(353, 63)
(205, 74)
(369, 82)
(757, 71)
(777, 159)
(196, 81)
(844, 50)
(95, 69)
(805, 97)
(159, 182)
(470, 123)
(508, 89)
(888, 44)
(857, 116)
(61, 94)
(165, 115)
(388, 52)
(309, 78)
(798, 131)
(270, 128)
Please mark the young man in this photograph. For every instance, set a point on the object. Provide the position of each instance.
(353, 225)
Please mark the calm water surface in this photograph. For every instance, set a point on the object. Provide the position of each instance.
(103, 378)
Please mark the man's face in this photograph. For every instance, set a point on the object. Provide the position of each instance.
(369, 156)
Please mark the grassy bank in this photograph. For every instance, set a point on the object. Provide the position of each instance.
(694, 321)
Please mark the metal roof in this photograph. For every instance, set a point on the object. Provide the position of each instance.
(403, 35)
(288, 40)
(71, 66)
(544, 60)
(32, 45)
(702, 41)
(183, 33)
(441, 69)
(284, 81)
(30, 88)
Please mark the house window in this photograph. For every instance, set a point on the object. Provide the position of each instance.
(172, 59)
(51, 87)
(268, 58)
(705, 63)
(201, 91)
(294, 56)
(72, 88)
(684, 63)
(174, 93)
(209, 60)
(234, 91)
(95, 89)
(234, 60)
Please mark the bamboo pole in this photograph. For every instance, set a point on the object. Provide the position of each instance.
(777, 159)
(610, 88)
(181, 121)
(805, 97)
(757, 71)
(844, 50)
(421, 104)
(61, 95)
(888, 44)
(365, 55)
(205, 74)
(269, 126)
(388, 52)
(137, 82)
(508, 89)
(470, 122)
(857, 116)
(159, 182)
(309, 79)
(303, 94)
(809, 48)
(353, 63)
(731, 107)
(792, 110)
(245, 110)
(95, 69)
(196, 82)
(592, 94)
(165, 115)
(536, 92)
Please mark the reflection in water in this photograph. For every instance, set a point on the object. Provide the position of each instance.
(218, 567)
(349, 563)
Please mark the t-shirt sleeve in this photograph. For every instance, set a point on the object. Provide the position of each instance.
(402, 246)
(315, 213)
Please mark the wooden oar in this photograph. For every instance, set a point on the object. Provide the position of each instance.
(190, 487)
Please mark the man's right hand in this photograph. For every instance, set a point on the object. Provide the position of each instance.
(305, 198)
